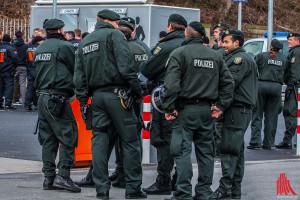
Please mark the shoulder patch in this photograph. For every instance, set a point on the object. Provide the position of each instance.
(156, 51)
(293, 59)
(237, 60)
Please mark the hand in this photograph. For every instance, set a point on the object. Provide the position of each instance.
(83, 112)
(171, 116)
(216, 112)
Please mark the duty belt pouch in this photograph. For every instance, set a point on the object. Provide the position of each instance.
(126, 98)
(88, 121)
(60, 104)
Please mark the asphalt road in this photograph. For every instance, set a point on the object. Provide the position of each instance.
(18, 141)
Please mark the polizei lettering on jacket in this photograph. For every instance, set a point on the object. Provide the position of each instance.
(274, 62)
(90, 48)
(43, 57)
(203, 63)
(141, 57)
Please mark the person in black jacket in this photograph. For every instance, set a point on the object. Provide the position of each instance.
(31, 97)
(8, 60)
(21, 70)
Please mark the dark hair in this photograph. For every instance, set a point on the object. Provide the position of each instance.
(205, 40)
(177, 27)
(239, 38)
(71, 33)
(84, 34)
(162, 34)
(19, 34)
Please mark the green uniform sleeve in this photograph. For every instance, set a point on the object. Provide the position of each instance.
(124, 61)
(79, 80)
(172, 82)
(225, 88)
(154, 67)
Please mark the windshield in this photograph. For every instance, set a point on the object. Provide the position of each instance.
(254, 48)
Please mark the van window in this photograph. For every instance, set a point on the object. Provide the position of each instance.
(254, 48)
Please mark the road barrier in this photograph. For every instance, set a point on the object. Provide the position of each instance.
(298, 124)
(146, 133)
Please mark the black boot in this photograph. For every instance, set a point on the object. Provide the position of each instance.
(66, 183)
(85, 182)
(48, 183)
(156, 189)
(220, 195)
(113, 176)
(119, 182)
(103, 195)
(136, 195)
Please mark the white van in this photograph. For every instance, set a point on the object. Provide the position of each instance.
(259, 45)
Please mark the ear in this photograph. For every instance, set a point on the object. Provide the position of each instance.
(236, 44)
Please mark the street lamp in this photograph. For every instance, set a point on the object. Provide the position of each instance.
(54, 7)
(240, 12)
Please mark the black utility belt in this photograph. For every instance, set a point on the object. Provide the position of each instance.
(195, 101)
(114, 90)
(242, 105)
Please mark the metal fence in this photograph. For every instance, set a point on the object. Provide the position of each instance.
(10, 26)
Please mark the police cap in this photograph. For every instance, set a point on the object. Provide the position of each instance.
(223, 26)
(293, 35)
(130, 20)
(234, 32)
(177, 19)
(197, 26)
(276, 44)
(126, 24)
(53, 24)
(108, 14)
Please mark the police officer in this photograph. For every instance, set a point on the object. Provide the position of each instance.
(8, 62)
(195, 78)
(270, 79)
(292, 80)
(31, 97)
(105, 69)
(126, 25)
(237, 117)
(154, 69)
(218, 30)
(54, 64)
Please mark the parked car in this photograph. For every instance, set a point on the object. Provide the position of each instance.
(259, 45)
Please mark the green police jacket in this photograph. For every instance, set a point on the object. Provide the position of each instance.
(292, 69)
(104, 60)
(154, 68)
(244, 71)
(138, 52)
(195, 71)
(54, 63)
(270, 69)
